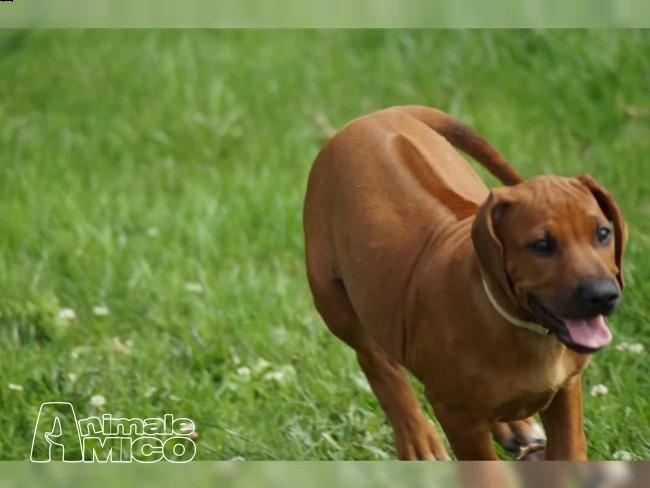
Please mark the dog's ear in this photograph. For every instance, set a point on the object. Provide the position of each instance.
(486, 241)
(613, 214)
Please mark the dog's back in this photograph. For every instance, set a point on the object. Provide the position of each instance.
(380, 189)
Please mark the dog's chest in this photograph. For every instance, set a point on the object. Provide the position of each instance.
(552, 376)
(533, 386)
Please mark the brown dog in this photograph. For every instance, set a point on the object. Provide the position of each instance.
(493, 300)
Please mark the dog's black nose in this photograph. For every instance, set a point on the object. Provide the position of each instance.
(600, 294)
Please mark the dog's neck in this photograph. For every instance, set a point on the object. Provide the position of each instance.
(501, 302)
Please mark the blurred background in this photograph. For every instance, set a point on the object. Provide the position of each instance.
(151, 253)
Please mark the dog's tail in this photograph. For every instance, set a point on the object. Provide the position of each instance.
(465, 139)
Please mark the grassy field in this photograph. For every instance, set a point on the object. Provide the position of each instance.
(150, 222)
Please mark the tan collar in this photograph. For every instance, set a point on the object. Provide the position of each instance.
(535, 327)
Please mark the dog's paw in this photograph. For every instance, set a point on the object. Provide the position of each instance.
(532, 452)
(514, 436)
(420, 441)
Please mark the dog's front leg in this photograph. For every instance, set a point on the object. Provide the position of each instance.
(469, 437)
(562, 421)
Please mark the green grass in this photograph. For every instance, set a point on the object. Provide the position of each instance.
(134, 163)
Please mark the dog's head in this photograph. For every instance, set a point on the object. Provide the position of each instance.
(555, 246)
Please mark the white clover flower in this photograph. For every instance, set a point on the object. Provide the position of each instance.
(631, 348)
(194, 287)
(101, 310)
(244, 372)
(623, 456)
(72, 378)
(97, 401)
(15, 387)
(261, 365)
(599, 390)
(273, 376)
(67, 314)
(284, 373)
(636, 348)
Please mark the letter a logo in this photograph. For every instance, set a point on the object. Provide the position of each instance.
(56, 435)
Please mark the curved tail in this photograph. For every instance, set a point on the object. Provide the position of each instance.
(465, 139)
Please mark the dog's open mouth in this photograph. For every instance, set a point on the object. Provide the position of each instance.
(585, 336)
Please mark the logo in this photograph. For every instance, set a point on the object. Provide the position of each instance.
(59, 436)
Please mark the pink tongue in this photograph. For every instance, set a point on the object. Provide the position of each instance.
(592, 333)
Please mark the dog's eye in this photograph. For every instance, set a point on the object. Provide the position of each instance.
(544, 247)
(604, 234)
